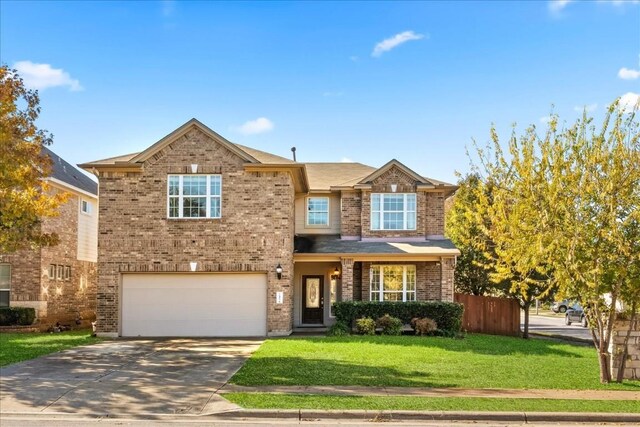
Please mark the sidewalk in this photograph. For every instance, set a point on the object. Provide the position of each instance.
(439, 392)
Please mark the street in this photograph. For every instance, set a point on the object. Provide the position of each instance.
(547, 325)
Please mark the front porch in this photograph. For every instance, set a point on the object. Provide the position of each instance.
(332, 270)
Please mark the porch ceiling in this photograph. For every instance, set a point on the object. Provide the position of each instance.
(333, 248)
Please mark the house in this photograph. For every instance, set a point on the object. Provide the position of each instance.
(199, 236)
(59, 281)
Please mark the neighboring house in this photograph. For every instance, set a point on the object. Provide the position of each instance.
(203, 237)
(58, 281)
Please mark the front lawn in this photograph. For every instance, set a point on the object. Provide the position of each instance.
(16, 347)
(325, 402)
(477, 361)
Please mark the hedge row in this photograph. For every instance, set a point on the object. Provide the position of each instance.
(448, 315)
(12, 316)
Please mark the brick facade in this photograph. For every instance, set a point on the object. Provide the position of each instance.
(428, 284)
(356, 209)
(55, 300)
(254, 234)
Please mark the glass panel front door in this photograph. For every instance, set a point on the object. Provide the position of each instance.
(312, 299)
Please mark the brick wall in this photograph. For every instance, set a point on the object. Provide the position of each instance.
(356, 209)
(54, 300)
(350, 208)
(434, 218)
(255, 232)
(67, 299)
(427, 279)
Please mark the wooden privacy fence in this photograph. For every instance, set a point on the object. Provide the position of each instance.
(490, 315)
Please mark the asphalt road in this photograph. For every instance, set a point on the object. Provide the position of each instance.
(555, 326)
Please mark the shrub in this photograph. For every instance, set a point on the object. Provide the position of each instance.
(12, 316)
(366, 326)
(447, 315)
(425, 326)
(339, 329)
(390, 325)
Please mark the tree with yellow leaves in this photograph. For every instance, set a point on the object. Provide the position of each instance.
(25, 197)
(564, 213)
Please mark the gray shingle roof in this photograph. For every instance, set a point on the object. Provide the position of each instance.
(69, 174)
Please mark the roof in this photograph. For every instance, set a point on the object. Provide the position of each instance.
(320, 176)
(323, 176)
(335, 245)
(263, 156)
(69, 174)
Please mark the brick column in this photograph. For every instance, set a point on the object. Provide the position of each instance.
(446, 281)
(347, 279)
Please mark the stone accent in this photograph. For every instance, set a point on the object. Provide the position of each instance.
(55, 300)
(347, 279)
(254, 234)
(632, 365)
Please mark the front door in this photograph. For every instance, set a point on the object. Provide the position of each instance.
(312, 299)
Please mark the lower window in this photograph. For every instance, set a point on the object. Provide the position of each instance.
(5, 284)
(393, 283)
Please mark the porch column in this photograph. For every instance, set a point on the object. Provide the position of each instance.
(347, 279)
(446, 281)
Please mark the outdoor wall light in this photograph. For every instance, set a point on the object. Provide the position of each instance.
(336, 272)
(279, 271)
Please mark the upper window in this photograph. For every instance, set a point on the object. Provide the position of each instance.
(393, 211)
(5, 284)
(85, 206)
(393, 283)
(318, 211)
(194, 196)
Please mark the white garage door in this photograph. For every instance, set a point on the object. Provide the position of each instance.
(194, 305)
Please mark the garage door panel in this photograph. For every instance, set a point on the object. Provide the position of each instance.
(194, 305)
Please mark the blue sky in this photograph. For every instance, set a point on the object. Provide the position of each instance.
(361, 81)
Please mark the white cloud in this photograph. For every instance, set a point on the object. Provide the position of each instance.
(628, 101)
(588, 107)
(42, 76)
(259, 125)
(346, 160)
(395, 41)
(628, 73)
(556, 6)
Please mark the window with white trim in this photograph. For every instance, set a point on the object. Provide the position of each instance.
(5, 284)
(393, 283)
(391, 211)
(85, 206)
(194, 196)
(318, 211)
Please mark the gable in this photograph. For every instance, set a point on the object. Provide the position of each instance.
(159, 148)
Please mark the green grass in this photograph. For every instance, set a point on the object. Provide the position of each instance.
(16, 347)
(298, 401)
(477, 361)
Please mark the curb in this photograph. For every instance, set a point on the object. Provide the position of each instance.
(381, 416)
(561, 337)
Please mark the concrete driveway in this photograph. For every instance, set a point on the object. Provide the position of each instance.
(126, 377)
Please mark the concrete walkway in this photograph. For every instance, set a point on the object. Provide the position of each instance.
(127, 377)
(440, 392)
